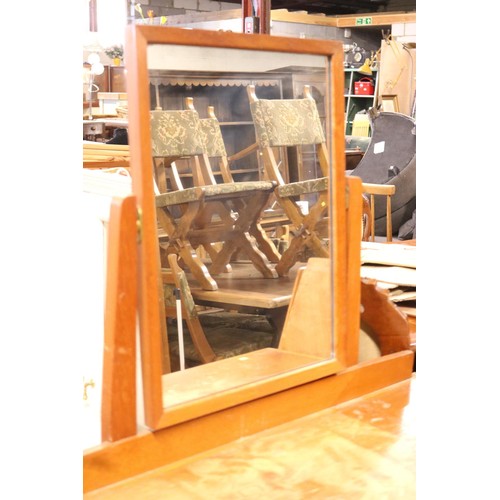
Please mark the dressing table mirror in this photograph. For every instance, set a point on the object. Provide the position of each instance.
(166, 65)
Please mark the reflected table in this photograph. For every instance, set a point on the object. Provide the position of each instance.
(245, 290)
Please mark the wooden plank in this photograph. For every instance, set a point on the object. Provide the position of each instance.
(106, 164)
(118, 416)
(108, 464)
(302, 16)
(383, 19)
(347, 21)
(198, 382)
(309, 323)
(353, 242)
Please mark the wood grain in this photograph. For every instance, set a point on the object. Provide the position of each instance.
(109, 464)
(362, 449)
(118, 416)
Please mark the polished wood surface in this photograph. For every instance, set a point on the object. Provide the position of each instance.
(204, 380)
(245, 290)
(111, 465)
(362, 449)
(118, 415)
(245, 286)
(387, 323)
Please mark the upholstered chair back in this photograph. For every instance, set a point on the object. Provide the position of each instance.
(176, 133)
(286, 122)
(212, 134)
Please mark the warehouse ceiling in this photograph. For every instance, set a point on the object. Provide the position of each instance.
(330, 7)
(338, 8)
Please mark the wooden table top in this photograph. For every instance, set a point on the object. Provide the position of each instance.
(245, 286)
(365, 448)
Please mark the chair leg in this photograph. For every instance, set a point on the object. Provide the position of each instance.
(297, 245)
(242, 240)
(306, 237)
(196, 266)
(265, 244)
(179, 244)
(212, 253)
(389, 220)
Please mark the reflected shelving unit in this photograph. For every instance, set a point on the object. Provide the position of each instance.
(356, 103)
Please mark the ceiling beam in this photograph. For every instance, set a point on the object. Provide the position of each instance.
(348, 21)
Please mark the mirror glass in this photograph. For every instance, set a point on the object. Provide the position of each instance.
(221, 79)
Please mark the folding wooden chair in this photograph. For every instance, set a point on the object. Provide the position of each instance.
(202, 214)
(294, 122)
(216, 150)
(387, 190)
(202, 343)
(175, 278)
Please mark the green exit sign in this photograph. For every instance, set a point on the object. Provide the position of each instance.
(364, 21)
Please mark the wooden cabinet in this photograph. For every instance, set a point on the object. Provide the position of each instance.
(117, 79)
(356, 103)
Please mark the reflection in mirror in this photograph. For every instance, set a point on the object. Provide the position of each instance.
(239, 164)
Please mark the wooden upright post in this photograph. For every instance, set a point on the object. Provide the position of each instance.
(118, 417)
(256, 16)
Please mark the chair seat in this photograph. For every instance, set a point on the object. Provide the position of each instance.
(219, 191)
(302, 187)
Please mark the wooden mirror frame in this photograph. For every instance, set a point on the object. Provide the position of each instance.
(151, 319)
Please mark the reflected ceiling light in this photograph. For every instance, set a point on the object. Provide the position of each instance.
(93, 58)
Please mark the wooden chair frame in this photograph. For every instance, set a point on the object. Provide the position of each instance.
(386, 190)
(203, 214)
(174, 276)
(216, 149)
(307, 233)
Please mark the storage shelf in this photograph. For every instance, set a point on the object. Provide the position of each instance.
(355, 103)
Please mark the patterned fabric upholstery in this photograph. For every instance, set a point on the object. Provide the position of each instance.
(187, 298)
(176, 197)
(176, 133)
(214, 142)
(303, 187)
(237, 187)
(220, 190)
(286, 122)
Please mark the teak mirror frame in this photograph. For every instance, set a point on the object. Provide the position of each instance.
(151, 318)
